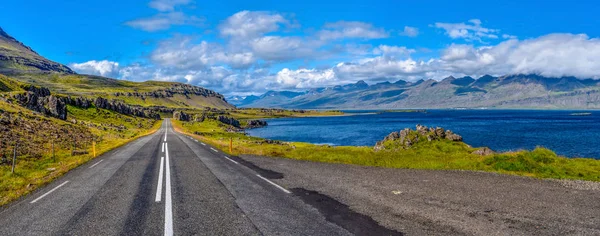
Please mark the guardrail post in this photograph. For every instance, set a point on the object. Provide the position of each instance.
(53, 154)
(14, 158)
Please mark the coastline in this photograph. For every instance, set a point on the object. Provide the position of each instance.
(460, 120)
(438, 155)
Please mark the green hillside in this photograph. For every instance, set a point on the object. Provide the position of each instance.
(149, 93)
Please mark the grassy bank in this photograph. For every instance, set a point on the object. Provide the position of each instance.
(35, 134)
(438, 155)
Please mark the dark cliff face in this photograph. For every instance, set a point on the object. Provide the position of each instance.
(182, 89)
(40, 100)
(125, 109)
(17, 57)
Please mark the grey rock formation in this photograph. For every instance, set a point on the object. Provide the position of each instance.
(406, 138)
(181, 116)
(251, 124)
(229, 120)
(484, 151)
(40, 100)
(125, 109)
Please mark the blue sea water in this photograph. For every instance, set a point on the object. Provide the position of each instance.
(501, 130)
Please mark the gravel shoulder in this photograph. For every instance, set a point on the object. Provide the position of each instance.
(433, 202)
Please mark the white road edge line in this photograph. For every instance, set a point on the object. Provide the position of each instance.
(46, 194)
(160, 180)
(203, 144)
(168, 204)
(214, 149)
(95, 164)
(274, 184)
(226, 157)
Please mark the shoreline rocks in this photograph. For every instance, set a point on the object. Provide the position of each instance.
(251, 124)
(406, 138)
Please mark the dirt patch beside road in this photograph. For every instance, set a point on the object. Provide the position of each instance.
(420, 202)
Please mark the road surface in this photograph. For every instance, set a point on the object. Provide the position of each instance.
(165, 184)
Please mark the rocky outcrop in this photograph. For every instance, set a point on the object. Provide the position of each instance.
(251, 124)
(181, 116)
(406, 138)
(125, 109)
(80, 102)
(40, 100)
(484, 151)
(181, 89)
(229, 120)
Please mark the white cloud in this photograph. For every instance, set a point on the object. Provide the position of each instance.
(102, 68)
(410, 31)
(393, 50)
(163, 21)
(277, 48)
(351, 29)
(251, 24)
(167, 5)
(182, 53)
(469, 31)
(554, 55)
(304, 78)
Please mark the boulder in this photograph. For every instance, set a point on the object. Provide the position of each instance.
(484, 151)
(255, 124)
(452, 136)
(181, 116)
(229, 120)
(406, 138)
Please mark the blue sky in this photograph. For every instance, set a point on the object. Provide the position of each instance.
(243, 47)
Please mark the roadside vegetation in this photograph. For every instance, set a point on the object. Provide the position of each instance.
(48, 147)
(437, 155)
(73, 141)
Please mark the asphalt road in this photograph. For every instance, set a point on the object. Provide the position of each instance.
(166, 184)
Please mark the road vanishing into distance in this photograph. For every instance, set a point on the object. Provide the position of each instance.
(165, 183)
(170, 184)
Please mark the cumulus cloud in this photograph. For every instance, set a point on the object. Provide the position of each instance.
(351, 29)
(304, 78)
(102, 68)
(167, 5)
(471, 30)
(410, 31)
(163, 21)
(251, 24)
(183, 53)
(393, 50)
(553, 55)
(277, 48)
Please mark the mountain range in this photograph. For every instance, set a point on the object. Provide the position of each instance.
(510, 91)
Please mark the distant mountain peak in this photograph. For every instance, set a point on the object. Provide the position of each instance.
(4, 34)
(18, 57)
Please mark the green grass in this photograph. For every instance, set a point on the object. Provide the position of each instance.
(9, 85)
(37, 167)
(436, 155)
